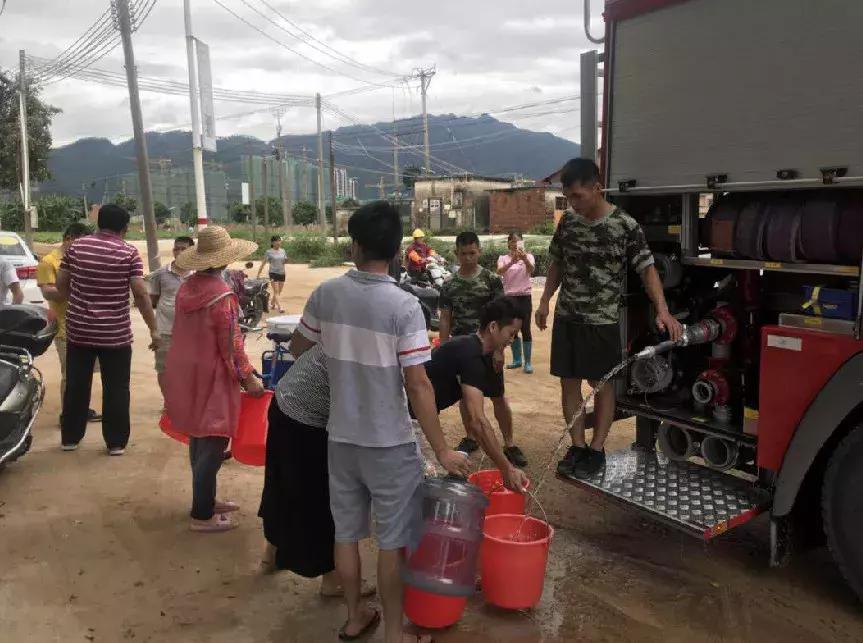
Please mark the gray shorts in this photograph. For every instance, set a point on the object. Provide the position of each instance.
(383, 480)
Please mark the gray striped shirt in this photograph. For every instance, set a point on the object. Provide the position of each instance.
(370, 329)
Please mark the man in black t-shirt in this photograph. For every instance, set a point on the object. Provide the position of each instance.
(462, 369)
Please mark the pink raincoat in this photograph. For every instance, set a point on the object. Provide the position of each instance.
(206, 362)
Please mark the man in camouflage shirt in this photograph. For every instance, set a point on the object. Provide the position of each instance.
(590, 252)
(462, 299)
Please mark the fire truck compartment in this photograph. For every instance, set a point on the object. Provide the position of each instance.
(736, 89)
(685, 495)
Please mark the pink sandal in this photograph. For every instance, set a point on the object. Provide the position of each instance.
(219, 522)
(225, 507)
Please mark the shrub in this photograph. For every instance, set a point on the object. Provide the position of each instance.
(333, 255)
(545, 228)
(55, 213)
(305, 246)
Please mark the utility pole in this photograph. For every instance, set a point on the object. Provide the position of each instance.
(396, 181)
(425, 76)
(265, 190)
(381, 189)
(25, 151)
(145, 188)
(252, 198)
(278, 113)
(197, 142)
(322, 220)
(333, 190)
(84, 196)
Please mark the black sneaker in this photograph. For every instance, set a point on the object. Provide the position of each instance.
(590, 465)
(573, 455)
(515, 456)
(92, 416)
(467, 445)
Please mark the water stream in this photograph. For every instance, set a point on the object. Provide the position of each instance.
(534, 494)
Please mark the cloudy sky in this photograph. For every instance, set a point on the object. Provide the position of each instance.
(489, 54)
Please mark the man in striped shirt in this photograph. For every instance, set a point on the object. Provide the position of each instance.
(95, 276)
(375, 339)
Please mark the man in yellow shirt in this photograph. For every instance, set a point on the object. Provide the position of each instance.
(46, 279)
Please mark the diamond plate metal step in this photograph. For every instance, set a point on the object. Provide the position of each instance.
(685, 495)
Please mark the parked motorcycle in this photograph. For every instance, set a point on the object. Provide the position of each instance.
(25, 332)
(253, 296)
(426, 288)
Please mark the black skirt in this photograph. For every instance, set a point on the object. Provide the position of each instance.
(295, 504)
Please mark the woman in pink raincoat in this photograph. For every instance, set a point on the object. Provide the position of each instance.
(206, 367)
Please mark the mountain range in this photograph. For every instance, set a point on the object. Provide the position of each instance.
(479, 145)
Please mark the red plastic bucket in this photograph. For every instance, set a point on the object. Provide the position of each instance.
(432, 611)
(249, 446)
(500, 499)
(168, 429)
(513, 558)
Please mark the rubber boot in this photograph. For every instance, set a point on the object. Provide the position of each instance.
(528, 351)
(516, 354)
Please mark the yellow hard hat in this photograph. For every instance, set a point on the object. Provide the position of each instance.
(418, 233)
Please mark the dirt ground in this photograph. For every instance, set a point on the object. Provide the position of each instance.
(98, 549)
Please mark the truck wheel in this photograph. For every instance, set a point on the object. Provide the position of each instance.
(842, 508)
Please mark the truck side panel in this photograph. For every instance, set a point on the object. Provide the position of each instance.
(735, 87)
(784, 394)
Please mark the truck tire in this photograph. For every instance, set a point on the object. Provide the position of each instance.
(842, 508)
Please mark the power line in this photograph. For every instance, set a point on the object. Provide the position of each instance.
(97, 42)
(179, 88)
(294, 51)
(448, 167)
(310, 40)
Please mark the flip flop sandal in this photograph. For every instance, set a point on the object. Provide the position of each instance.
(219, 522)
(373, 623)
(225, 507)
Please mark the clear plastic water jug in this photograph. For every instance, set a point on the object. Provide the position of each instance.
(445, 561)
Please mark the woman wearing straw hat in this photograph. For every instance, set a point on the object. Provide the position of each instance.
(206, 367)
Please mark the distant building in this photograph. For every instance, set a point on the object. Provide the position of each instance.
(455, 201)
(176, 187)
(523, 208)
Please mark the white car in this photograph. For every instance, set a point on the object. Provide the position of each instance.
(15, 251)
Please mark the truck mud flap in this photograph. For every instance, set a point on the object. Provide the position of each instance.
(692, 498)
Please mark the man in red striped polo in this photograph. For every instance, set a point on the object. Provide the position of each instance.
(95, 276)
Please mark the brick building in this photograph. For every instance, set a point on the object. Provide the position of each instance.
(524, 208)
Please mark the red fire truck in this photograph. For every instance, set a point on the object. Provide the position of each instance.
(731, 130)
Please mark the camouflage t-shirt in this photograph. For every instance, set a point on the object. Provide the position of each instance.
(593, 256)
(467, 297)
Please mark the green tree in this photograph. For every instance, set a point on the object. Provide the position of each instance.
(55, 213)
(410, 174)
(275, 209)
(189, 213)
(162, 212)
(126, 202)
(239, 213)
(350, 203)
(304, 213)
(39, 117)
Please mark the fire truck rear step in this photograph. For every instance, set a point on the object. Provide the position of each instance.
(700, 501)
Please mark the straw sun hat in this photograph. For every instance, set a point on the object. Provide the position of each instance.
(215, 249)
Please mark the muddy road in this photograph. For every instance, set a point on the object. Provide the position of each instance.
(98, 549)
